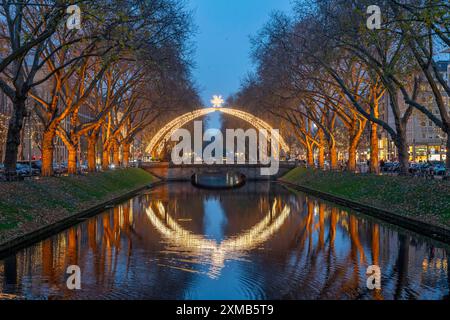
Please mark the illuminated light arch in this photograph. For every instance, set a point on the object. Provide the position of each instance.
(158, 142)
(232, 248)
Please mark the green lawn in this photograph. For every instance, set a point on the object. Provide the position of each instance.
(27, 205)
(427, 200)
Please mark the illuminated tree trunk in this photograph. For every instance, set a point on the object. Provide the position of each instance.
(321, 160)
(351, 165)
(355, 137)
(126, 154)
(374, 158)
(105, 159)
(47, 153)
(91, 153)
(71, 143)
(309, 154)
(72, 160)
(116, 155)
(333, 156)
(374, 152)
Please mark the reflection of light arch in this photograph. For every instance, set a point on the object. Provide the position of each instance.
(156, 145)
(231, 248)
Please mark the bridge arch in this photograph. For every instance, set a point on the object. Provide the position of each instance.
(158, 142)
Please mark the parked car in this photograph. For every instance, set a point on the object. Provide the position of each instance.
(387, 166)
(24, 170)
(63, 166)
(36, 165)
(83, 166)
(391, 167)
(59, 168)
(438, 168)
(137, 163)
(414, 167)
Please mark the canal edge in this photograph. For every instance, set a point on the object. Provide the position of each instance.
(423, 228)
(12, 246)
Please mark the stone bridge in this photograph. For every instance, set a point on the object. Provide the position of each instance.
(171, 172)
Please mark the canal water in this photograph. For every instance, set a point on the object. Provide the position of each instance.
(261, 241)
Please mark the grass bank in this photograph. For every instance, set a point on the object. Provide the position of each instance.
(416, 198)
(26, 206)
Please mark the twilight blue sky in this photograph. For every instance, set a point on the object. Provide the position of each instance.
(222, 55)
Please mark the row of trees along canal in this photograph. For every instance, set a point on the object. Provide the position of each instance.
(127, 65)
(324, 69)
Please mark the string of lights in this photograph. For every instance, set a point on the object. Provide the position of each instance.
(156, 145)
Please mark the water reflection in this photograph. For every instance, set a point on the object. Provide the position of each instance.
(209, 251)
(257, 242)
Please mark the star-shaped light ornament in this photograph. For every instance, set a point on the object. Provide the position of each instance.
(217, 101)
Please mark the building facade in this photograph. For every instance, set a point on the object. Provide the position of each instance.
(426, 141)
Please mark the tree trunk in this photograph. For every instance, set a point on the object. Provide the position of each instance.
(374, 152)
(72, 160)
(47, 153)
(116, 155)
(402, 147)
(321, 147)
(91, 153)
(22, 145)
(355, 137)
(13, 136)
(309, 155)
(321, 160)
(105, 159)
(126, 154)
(351, 165)
(403, 152)
(333, 157)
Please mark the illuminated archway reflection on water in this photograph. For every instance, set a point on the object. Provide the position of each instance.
(261, 241)
(216, 253)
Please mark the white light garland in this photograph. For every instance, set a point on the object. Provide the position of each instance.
(158, 142)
